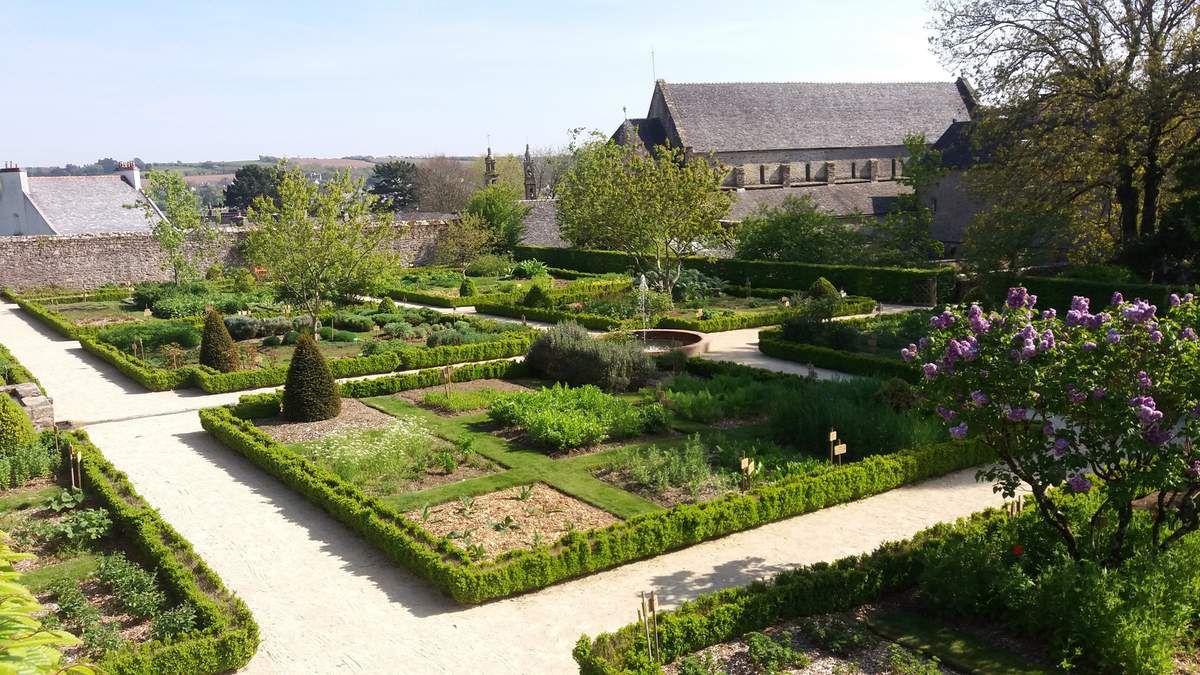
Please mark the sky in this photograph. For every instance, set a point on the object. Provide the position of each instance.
(185, 80)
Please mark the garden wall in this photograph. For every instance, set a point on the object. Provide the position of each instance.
(92, 260)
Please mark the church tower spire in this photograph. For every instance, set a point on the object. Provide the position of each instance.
(489, 169)
(530, 182)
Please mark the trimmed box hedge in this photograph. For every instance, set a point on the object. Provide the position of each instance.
(212, 381)
(920, 286)
(731, 613)
(577, 553)
(772, 343)
(576, 291)
(228, 636)
(11, 370)
(744, 319)
(1057, 292)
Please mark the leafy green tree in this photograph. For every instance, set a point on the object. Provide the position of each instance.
(395, 184)
(798, 231)
(465, 239)
(216, 344)
(187, 239)
(319, 242)
(1002, 239)
(499, 206)
(310, 393)
(1174, 251)
(656, 207)
(1089, 105)
(251, 182)
(906, 235)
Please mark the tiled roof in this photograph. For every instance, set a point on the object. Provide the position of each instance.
(541, 225)
(716, 117)
(88, 204)
(650, 132)
(871, 198)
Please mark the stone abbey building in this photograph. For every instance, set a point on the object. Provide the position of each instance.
(840, 143)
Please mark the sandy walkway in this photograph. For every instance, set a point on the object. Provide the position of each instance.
(327, 601)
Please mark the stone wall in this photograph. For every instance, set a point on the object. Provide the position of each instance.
(88, 261)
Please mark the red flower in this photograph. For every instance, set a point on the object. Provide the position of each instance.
(1018, 550)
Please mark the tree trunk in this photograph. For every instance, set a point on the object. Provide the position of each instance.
(1127, 201)
(1151, 186)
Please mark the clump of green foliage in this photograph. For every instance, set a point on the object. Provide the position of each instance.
(772, 656)
(216, 347)
(567, 353)
(561, 418)
(150, 335)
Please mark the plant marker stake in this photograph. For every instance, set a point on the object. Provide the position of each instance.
(654, 613)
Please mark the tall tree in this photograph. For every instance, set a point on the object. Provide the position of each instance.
(395, 184)
(1089, 101)
(319, 242)
(187, 240)
(250, 182)
(465, 239)
(798, 231)
(444, 185)
(656, 207)
(499, 206)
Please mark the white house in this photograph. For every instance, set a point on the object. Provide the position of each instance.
(66, 205)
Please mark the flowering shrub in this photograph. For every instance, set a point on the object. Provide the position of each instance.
(1110, 396)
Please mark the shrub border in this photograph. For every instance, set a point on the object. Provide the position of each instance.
(230, 637)
(591, 288)
(577, 553)
(772, 343)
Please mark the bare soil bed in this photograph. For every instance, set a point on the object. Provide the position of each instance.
(354, 415)
(502, 521)
(673, 496)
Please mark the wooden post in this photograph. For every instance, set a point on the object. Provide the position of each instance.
(833, 437)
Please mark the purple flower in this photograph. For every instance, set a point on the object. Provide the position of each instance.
(1189, 334)
(1080, 304)
(979, 398)
(1048, 428)
(1187, 297)
(1089, 346)
(1144, 380)
(1060, 447)
(946, 413)
(1017, 297)
(1099, 393)
(923, 343)
(930, 370)
(1194, 469)
(1156, 337)
(943, 320)
(1140, 311)
(1114, 336)
(1174, 300)
(1079, 484)
(1017, 414)
(1049, 313)
(1074, 395)
(908, 353)
(1097, 320)
(1117, 298)
(1157, 437)
(1146, 409)
(959, 432)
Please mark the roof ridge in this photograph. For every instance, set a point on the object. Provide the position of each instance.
(818, 82)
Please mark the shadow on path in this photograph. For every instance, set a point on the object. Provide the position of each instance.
(683, 585)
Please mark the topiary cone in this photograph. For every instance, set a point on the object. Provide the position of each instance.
(15, 428)
(216, 346)
(310, 394)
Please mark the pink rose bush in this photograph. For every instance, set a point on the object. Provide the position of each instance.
(1099, 398)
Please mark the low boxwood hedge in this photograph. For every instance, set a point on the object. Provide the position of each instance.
(918, 286)
(227, 636)
(212, 381)
(577, 553)
(747, 319)
(578, 290)
(729, 614)
(11, 370)
(772, 343)
(1057, 292)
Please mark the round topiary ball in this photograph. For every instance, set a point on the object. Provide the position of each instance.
(310, 393)
(15, 428)
(537, 297)
(386, 306)
(216, 345)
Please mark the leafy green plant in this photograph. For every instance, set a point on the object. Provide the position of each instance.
(446, 462)
(835, 634)
(172, 623)
(905, 662)
(560, 418)
(150, 335)
(525, 493)
(459, 401)
(508, 523)
(771, 656)
(699, 665)
(136, 588)
(66, 500)
(567, 353)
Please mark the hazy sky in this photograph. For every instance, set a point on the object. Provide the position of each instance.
(191, 80)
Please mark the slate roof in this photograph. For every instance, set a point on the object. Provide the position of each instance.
(650, 132)
(872, 198)
(716, 117)
(87, 204)
(541, 224)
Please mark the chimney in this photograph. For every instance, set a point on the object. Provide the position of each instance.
(129, 173)
(785, 174)
(830, 172)
(739, 176)
(873, 167)
(13, 178)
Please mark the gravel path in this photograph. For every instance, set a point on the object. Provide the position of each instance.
(327, 601)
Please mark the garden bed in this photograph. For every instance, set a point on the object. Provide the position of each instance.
(641, 528)
(442, 287)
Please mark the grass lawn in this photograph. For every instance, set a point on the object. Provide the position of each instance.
(955, 648)
(99, 312)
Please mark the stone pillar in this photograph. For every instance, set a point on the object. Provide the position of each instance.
(739, 176)
(830, 172)
(785, 174)
(873, 167)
